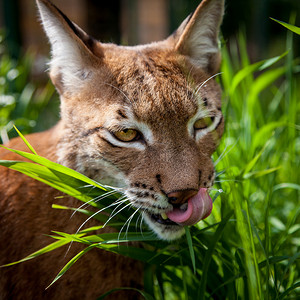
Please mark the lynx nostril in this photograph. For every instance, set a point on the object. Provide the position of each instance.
(181, 197)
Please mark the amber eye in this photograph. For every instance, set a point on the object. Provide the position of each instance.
(203, 123)
(126, 135)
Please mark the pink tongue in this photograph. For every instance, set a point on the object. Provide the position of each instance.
(199, 207)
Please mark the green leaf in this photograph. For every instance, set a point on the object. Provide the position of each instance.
(57, 167)
(191, 249)
(99, 217)
(44, 250)
(260, 84)
(264, 133)
(286, 186)
(290, 27)
(257, 174)
(270, 261)
(289, 290)
(250, 69)
(71, 263)
(208, 255)
(77, 237)
(292, 260)
(250, 165)
(217, 194)
(107, 238)
(141, 254)
(25, 141)
(271, 61)
(45, 175)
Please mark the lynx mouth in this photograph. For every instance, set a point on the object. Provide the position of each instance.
(169, 225)
(159, 218)
(197, 208)
(163, 219)
(165, 229)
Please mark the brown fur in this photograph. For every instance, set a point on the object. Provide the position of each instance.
(152, 85)
(27, 217)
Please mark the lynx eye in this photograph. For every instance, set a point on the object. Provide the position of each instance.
(127, 135)
(203, 123)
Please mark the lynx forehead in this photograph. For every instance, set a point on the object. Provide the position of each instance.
(146, 118)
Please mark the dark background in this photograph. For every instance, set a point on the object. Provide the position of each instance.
(117, 21)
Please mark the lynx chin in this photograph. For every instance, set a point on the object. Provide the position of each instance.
(145, 119)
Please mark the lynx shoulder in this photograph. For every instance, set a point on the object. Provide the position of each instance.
(145, 119)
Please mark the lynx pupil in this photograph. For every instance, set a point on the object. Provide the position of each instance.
(126, 135)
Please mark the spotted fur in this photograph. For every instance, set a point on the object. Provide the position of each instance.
(159, 90)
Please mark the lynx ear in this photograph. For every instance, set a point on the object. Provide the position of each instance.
(73, 51)
(197, 37)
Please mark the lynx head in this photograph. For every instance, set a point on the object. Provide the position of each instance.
(144, 118)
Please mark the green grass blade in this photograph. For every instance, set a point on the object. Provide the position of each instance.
(56, 167)
(256, 174)
(250, 69)
(250, 165)
(140, 254)
(99, 217)
(271, 61)
(44, 175)
(286, 185)
(254, 251)
(208, 256)
(261, 83)
(25, 141)
(292, 260)
(191, 249)
(184, 280)
(70, 263)
(107, 238)
(268, 262)
(290, 27)
(44, 250)
(289, 290)
(265, 132)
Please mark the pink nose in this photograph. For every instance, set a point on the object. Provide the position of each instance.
(181, 197)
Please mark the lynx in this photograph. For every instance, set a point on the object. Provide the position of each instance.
(145, 119)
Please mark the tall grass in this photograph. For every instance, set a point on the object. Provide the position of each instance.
(249, 247)
(261, 179)
(23, 102)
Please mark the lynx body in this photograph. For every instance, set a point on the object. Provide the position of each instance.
(145, 119)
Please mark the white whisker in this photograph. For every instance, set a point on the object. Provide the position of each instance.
(118, 90)
(128, 224)
(99, 211)
(225, 152)
(122, 200)
(95, 200)
(141, 223)
(205, 81)
(93, 215)
(112, 216)
(136, 222)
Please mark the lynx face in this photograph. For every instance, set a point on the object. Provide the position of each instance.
(147, 118)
